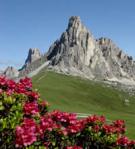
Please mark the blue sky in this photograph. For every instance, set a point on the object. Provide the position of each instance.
(27, 24)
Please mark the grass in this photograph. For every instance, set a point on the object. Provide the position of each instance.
(74, 94)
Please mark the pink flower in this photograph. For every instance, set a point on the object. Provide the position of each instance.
(26, 133)
(30, 108)
(108, 129)
(26, 82)
(46, 123)
(96, 119)
(119, 123)
(64, 117)
(96, 128)
(119, 126)
(3, 81)
(132, 143)
(9, 92)
(33, 95)
(123, 141)
(11, 84)
(20, 88)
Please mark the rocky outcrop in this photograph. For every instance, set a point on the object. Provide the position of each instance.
(77, 52)
(34, 60)
(11, 72)
(33, 55)
(32, 66)
(75, 47)
(74, 52)
(121, 65)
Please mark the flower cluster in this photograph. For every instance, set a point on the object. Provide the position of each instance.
(26, 133)
(24, 86)
(57, 128)
(26, 123)
(18, 102)
(30, 108)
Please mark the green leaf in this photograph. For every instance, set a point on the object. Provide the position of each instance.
(42, 147)
(2, 107)
(53, 143)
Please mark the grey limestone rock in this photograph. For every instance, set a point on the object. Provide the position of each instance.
(33, 55)
(34, 60)
(77, 51)
(121, 65)
(11, 72)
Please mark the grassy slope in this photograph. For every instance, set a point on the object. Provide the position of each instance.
(73, 94)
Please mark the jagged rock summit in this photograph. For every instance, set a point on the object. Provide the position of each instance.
(11, 72)
(33, 55)
(74, 51)
(120, 64)
(77, 52)
(34, 60)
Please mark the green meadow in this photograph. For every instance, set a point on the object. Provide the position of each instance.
(74, 94)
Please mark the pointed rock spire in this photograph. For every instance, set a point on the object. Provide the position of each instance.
(33, 55)
(75, 47)
(74, 21)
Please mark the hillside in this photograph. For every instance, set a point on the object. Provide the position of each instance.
(74, 94)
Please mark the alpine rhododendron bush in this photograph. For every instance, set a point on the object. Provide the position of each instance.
(25, 122)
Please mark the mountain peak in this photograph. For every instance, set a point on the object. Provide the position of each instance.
(75, 26)
(75, 47)
(73, 21)
(76, 32)
(33, 55)
(11, 72)
(78, 52)
(75, 18)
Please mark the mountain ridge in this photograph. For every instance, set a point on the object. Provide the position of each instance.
(77, 52)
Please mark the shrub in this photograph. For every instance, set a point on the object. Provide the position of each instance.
(17, 102)
(26, 123)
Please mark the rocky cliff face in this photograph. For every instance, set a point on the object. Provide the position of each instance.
(33, 55)
(34, 60)
(78, 53)
(11, 72)
(121, 65)
(75, 50)
(73, 47)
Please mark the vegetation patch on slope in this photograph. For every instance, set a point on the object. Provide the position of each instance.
(73, 94)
